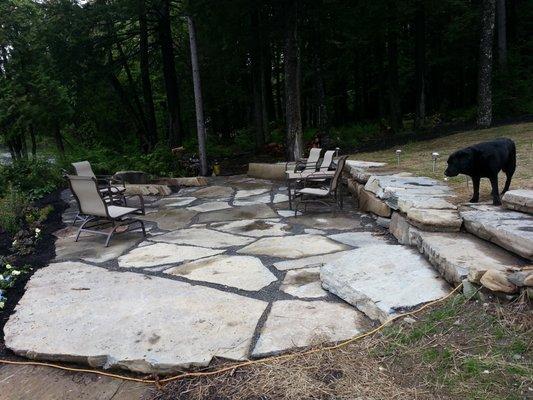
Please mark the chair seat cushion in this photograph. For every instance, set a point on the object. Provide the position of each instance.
(314, 191)
(310, 174)
(118, 211)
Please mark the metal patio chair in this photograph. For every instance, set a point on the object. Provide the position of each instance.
(100, 216)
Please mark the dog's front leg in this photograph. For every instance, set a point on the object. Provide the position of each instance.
(475, 184)
(495, 193)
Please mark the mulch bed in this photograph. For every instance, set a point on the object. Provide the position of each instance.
(41, 257)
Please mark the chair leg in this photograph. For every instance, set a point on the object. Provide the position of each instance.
(289, 194)
(110, 234)
(142, 226)
(81, 227)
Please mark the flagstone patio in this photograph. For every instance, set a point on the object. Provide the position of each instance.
(225, 271)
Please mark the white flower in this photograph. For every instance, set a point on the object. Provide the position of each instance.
(2, 304)
(14, 243)
(37, 230)
(15, 272)
(2, 278)
(8, 266)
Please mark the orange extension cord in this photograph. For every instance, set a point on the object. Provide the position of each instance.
(232, 367)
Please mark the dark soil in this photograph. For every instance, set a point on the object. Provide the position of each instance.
(44, 252)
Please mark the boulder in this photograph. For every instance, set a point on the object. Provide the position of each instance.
(497, 282)
(134, 177)
(401, 229)
(267, 171)
(369, 202)
(519, 200)
(148, 190)
(184, 181)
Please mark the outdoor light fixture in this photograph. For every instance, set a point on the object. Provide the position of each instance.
(336, 151)
(398, 154)
(434, 157)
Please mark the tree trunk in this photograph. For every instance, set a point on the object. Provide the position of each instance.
(502, 33)
(200, 125)
(266, 89)
(484, 114)
(279, 101)
(257, 86)
(321, 109)
(59, 139)
(292, 84)
(175, 130)
(33, 142)
(420, 64)
(145, 76)
(395, 116)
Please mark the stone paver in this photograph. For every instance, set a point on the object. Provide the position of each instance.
(255, 227)
(382, 280)
(163, 253)
(215, 192)
(519, 200)
(72, 311)
(327, 221)
(296, 323)
(202, 237)
(210, 206)
(92, 248)
(250, 192)
(170, 218)
(511, 230)
(238, 213)
(303, 283)
(458, 255)
(250, 201)
(242, 272)
(179, 202)
(306, 262)
(358, 239)
(292, 246)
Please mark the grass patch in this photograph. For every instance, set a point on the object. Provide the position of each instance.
(457, 350)
(416, 157)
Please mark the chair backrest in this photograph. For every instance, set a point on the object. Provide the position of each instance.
(85, 190)
(338, 172)
(327, 160)
(83, 168)
(312, 161)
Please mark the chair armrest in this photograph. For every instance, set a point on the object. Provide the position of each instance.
(141, 199)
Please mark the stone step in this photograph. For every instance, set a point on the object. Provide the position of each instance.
(519, 200)
(460, 255)
(509, 229)
(383, 280)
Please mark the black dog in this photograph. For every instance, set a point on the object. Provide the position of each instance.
(485, 160)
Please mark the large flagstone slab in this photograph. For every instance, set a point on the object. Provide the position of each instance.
(248, 201)
(80, 313)
(169, 218)
(214, 192)
(210, 206)
(358, 239)
(254, 227)
(292, 246)
(178, 201)
(92, 248)
(297, 323)
(458, 255)
(307, 262)
(511, 230)
(303, 283)
(250, 192)
(383, 280)
(203, 237)
(519, 200)
(242, 272)
(238, 213)
(327, 221)
(163, 253)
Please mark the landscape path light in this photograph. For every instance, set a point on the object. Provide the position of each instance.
(398, 154)
(434, 157)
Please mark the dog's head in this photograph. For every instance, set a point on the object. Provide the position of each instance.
(459, 162)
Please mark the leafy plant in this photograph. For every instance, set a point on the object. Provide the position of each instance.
(12, 210)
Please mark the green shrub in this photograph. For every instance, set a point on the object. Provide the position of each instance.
(13, 208)
(35, 178)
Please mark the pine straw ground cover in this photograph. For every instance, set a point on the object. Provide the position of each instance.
(457, 350)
